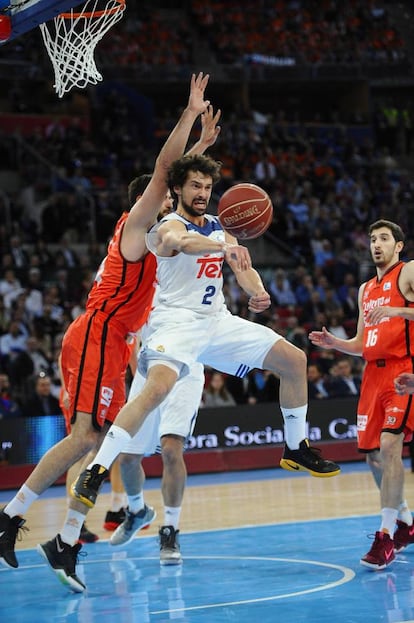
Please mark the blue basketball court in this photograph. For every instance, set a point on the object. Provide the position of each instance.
(305, 572)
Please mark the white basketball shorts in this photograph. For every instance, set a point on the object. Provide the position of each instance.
(222, 341)
(176, 415)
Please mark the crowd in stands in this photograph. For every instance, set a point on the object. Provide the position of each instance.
(307, 31)
(323, 216)
(327, 182)
(147, 38)
(326, 187)
(303, 31)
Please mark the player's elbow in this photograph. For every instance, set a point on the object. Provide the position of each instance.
(171, 242)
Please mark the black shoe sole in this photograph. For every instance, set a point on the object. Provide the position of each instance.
(7, 564)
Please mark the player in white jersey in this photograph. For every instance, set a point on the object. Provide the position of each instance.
(191, 323)
(166, 430)
(190, 282)
(191, 317)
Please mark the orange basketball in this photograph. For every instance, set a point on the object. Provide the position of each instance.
(245, 211)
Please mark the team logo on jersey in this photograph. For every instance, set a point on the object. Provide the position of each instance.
(362, 422)
(387, 286)
(106, 396)
(391, 419)
(209, 267)
(160, 349)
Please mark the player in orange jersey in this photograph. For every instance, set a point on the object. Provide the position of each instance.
(116, 514)
(95, 349)
(385, 420)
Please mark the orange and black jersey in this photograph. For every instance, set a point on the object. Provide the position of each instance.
(391, 337)
(123, 290)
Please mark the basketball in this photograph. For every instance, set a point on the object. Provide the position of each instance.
(245, 211)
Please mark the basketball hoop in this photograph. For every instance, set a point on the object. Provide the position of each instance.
(71, 38)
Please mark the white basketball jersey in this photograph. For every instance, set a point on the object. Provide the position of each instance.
(193, 282)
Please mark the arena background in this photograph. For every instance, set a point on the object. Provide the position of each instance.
(334, 79)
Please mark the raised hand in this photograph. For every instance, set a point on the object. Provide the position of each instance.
(198, 85)
(209, 128)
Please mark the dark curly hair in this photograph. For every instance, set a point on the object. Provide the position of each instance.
(178, 171)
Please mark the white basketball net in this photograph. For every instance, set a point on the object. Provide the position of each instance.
(70, 40)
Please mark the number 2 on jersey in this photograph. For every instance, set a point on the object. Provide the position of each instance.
(209, 293)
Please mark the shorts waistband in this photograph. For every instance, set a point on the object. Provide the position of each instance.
(383, 363)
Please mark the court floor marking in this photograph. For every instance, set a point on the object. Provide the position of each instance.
(348, 575)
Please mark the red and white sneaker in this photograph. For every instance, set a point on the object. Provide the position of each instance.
(381, 553)
(403, 536)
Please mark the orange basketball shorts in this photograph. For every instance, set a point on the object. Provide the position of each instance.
(95, 355)
(380, 409)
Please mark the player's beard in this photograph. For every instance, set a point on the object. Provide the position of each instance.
(383, 260)
(190, 210)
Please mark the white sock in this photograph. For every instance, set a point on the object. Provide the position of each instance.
(389, 517)
(23, 499)
(136, 502)
(172, 516)
(72, 527)
(295, 425)
(404, 513)
(118, 501)
(114, 442)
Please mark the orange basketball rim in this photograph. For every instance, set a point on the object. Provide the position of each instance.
(100, 13)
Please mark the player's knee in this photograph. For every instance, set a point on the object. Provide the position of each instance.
(172, 449)
(84, 443)
(301, 360)
(129, 460)
(286, 360)
(91, 441)
(391, 445)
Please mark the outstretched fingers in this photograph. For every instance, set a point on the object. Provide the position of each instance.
(198, 86)
(209, 128)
